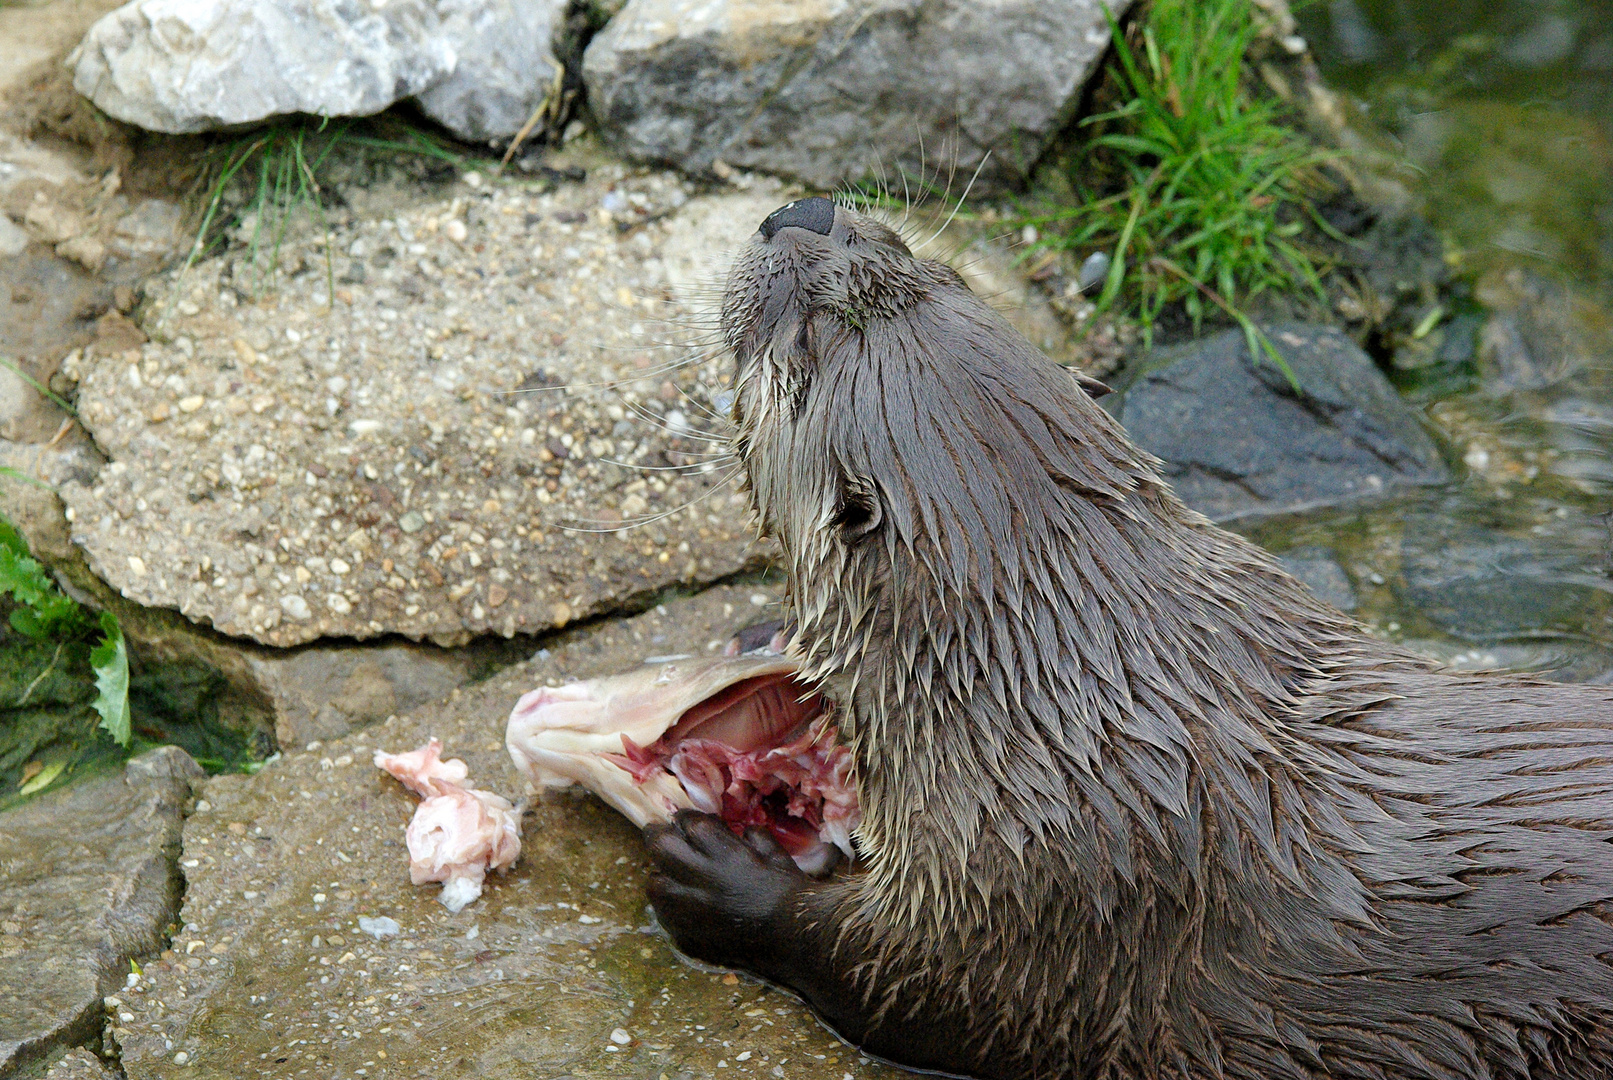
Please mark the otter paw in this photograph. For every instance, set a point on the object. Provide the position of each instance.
(771, 636)
(722, 898)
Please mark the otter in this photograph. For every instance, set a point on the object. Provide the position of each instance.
(1134, 803)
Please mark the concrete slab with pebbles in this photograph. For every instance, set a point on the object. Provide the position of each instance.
(555, 970)
(295, 695)
(79, 903)
(289, 470)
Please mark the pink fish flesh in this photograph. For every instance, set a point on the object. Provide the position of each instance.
(734, 736)
(458, 832)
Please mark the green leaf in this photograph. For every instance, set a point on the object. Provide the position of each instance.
(43, 779)
(111, 662)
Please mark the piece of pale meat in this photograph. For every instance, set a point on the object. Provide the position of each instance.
(458, 833)
(734, 736)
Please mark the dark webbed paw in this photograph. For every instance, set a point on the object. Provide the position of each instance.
(771, 635)
(723, 899)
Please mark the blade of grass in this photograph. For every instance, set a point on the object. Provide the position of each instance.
(43, 390)
(1256, 337)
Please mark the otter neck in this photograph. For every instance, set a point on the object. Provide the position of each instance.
(1076, 710)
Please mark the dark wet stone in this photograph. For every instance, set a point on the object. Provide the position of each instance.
(1538, 334)
(1322, 575)
(90, 881)
(1239, 441)
(1485, 588)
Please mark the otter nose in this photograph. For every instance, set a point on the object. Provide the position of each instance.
(817, 214)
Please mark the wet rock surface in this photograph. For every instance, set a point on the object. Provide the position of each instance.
(1238, 440)
(831, 92)
(90, 882)
(445, 450)
(1322, 575)
(556, 970)
(78, 1064)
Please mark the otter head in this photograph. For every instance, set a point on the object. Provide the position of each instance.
(915, 457)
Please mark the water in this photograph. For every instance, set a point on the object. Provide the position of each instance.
(1504, 111)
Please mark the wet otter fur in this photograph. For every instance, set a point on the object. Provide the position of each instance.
(1135, 804)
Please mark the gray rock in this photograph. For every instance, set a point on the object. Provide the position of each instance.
(530, 980)
(1238, 441)
(1536, 335)
(194, 65)
(90, 881)
(831, 91)
(1485, 587)
(323, 692)
(1322, 575)
(154, 227)
(506, 65)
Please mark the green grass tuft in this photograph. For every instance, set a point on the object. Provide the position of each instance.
(256, 184)
(1193, 184)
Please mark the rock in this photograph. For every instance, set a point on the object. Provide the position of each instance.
(323, 692)
(1538, 334)
(13, 240)
(531, 979)
(1487, 588)
(88, 251)
(20, 405)
(1238, 441)
(506, 65)
(154, 227)
(78, 1064)
(194, 65)
(832, 92)
(90, 882)
(508, 389)
(480, 67)
(295, 697)
(1322, 575)
(52, 223)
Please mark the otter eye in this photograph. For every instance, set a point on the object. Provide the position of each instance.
(859, 514)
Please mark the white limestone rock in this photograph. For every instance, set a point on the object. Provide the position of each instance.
(479, 67)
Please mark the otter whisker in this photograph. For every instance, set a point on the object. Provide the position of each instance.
(620, 527)
(703, 466)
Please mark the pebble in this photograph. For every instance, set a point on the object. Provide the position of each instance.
(380, 927)
(620, 1037)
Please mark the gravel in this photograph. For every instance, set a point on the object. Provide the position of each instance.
(448, 449)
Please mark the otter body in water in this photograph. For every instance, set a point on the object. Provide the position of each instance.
(1134, 804)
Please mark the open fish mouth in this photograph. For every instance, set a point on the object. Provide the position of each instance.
(738, 737)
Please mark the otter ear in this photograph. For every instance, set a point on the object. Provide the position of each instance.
(1093, 387)
(859, 514)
